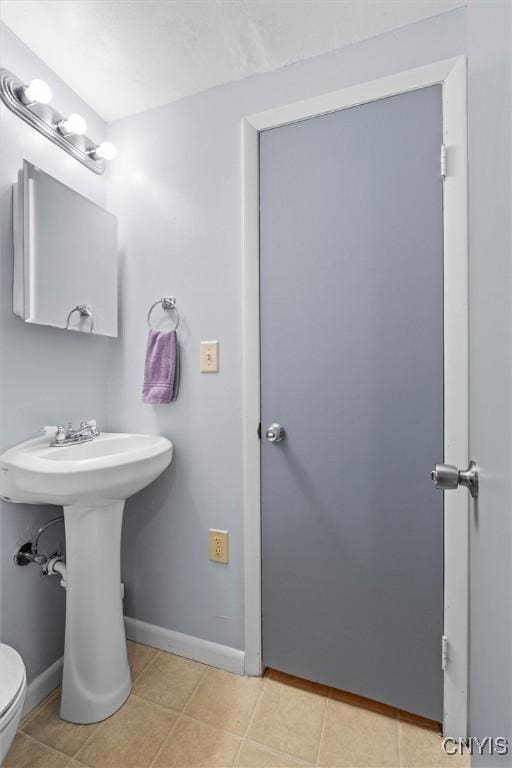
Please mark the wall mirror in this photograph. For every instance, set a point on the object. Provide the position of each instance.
(65, 256)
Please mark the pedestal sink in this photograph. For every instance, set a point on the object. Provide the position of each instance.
(90, 480)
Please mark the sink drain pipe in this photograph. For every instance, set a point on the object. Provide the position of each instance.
(29, 551)
(55, 566)
(51, 565)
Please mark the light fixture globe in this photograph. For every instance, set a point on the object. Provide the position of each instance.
(73, 125)
(105, 151)
(29, 100)
(37, 92)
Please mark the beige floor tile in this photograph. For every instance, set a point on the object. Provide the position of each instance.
(255, 756)
(357, 738)
(225, 700)
(422, 748)
(33, 712)
(139, 656)
(289, 720)
(194, 744)
(169, 680)
(46, 726)
(130, 738)
(27, 753)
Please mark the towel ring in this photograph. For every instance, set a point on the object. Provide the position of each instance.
(84, 310)
(167, 302)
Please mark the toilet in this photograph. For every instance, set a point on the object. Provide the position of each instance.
(13, 688)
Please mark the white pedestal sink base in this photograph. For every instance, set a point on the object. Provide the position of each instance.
(84, 478)
(96, 678)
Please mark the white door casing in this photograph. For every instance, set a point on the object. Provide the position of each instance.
(451, 74)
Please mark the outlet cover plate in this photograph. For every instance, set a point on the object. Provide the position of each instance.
(218, 546)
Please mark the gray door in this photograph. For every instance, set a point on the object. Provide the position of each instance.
(352, 368)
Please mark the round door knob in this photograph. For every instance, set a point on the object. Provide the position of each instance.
(274, 433)
(445, 477)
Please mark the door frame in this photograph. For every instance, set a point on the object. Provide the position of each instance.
(451, 75)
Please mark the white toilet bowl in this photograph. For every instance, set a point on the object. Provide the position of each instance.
(13, 688)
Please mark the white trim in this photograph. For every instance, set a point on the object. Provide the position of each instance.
(42, 685)
(251, 399)
(451, 74)
(430, 74)
(214, 654)
(456, 399)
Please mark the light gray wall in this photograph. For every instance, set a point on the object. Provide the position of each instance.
(46, 375)
(490, 206)
(176, 186)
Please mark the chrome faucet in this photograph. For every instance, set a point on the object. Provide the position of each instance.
(70, 436)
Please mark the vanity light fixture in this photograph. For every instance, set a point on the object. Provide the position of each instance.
(106, 151)
(74, 125)
(36, 92)
(31, 102)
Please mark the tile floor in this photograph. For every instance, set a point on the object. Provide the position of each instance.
(185, 714)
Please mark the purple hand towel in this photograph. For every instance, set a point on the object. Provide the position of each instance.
(161, 370)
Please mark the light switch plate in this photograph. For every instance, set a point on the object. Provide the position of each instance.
(209, 356)
(218, 546)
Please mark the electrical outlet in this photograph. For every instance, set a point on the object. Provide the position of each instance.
(209, 356)
(218, 546)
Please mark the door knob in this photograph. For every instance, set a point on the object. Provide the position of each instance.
(447, 477)
(274, 433)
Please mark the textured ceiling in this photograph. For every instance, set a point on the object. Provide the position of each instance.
(125, 56)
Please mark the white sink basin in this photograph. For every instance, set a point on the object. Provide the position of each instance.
(113, 466)
(91, 481)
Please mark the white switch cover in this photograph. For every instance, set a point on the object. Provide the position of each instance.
(209, 356)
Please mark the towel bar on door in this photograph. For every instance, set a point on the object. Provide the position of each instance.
(85, 311)
(167, 302)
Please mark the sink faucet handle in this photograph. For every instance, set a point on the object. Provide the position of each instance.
(61, 434)
(56, 434)
(49, 430)
(91, 425)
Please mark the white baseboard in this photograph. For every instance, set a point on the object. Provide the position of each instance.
(214, 654)
(42, 685)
